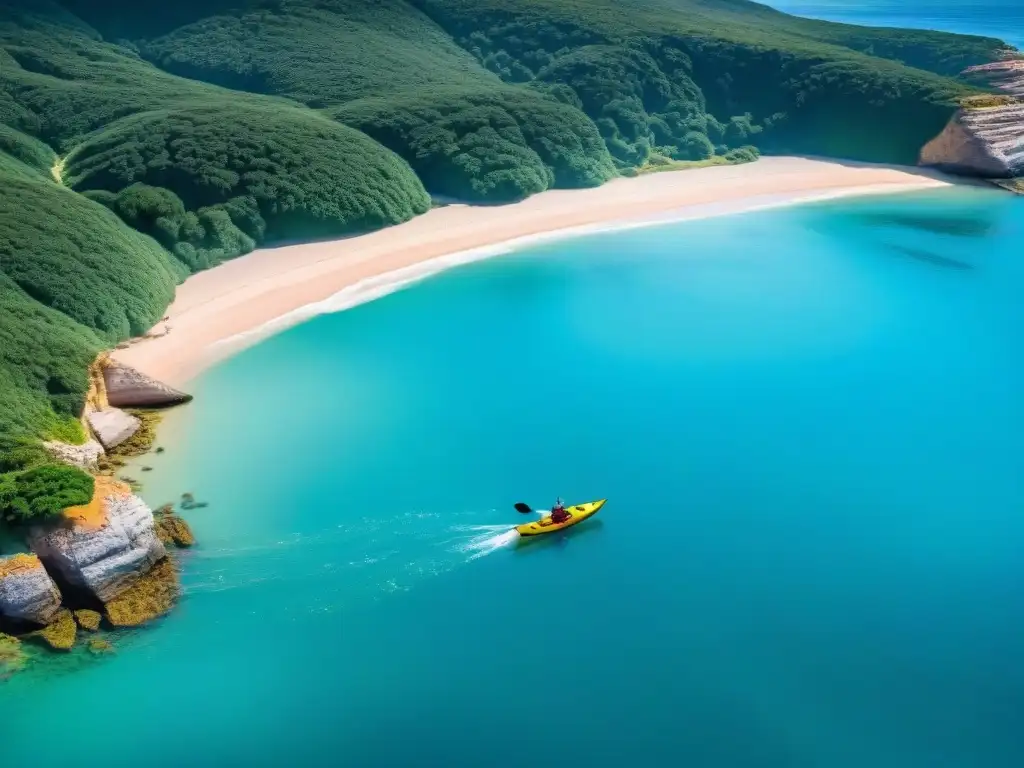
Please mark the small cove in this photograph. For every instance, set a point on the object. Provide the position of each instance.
(808, 422)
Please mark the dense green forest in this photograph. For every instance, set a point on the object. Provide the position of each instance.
(142, 142)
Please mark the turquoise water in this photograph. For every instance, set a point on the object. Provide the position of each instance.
(1003, 19)
(809, 423)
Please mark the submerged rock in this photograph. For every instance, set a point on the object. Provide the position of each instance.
(85, 456)
(129, 388)
(27, 593)
(88, 620)
(99, 646)
(113, 426)
(104, 560)
(60, 634)
(151, 596)
(12, 658)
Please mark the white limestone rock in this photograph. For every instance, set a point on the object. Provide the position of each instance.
(106, 560)
(27, 593)
(113, 426)
(85, 456)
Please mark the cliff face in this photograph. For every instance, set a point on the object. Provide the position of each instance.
(27, 593)
(108, 559)
(985, 140)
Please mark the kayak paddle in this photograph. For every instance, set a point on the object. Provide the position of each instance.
(524, 508)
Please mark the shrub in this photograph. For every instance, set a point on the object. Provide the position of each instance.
(742, 155)
(43, 492)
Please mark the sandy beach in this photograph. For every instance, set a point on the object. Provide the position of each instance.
(217, 312)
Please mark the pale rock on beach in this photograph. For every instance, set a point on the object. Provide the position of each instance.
(85, 456)
(105, 560)
(113, 426)
(27, 593)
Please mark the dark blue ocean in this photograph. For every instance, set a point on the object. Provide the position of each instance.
(1003, 19)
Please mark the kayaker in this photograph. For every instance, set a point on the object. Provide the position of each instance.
(558, 512)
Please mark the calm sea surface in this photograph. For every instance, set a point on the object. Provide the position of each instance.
(1003, 19)
(809, 424)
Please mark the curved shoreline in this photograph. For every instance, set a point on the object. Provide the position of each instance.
(236, 304)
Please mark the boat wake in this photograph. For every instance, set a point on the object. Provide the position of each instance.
(487, 539)
(364, 554)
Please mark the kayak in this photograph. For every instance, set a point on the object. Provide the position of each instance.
(577, 514)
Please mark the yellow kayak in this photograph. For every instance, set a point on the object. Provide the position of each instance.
(578, 513)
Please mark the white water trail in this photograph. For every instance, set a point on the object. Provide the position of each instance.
(488, 539)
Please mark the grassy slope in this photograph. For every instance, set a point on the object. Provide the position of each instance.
(190, 132)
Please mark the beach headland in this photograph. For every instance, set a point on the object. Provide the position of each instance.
(221, 310)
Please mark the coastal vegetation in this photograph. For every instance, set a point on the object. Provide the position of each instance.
(658, 163)
(142, 143)
(43, 491)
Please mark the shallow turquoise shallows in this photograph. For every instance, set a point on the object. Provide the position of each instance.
(809, 423)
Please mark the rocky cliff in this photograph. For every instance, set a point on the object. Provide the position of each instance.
(985, 138)
(104, 560)
(27, 593)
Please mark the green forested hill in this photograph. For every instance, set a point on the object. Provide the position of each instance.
(140, 142)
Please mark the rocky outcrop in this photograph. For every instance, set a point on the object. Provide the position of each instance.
(113, 426)
(985, 138)
(1006, 75)
(85, 456)
(152, 596)
(27, 593)
(988, 143)
(60, 634)
(88, 620)
(129, 388)
(104, 560)
(172, 530)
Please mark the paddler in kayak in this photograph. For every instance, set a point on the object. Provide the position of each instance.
(559, 513)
